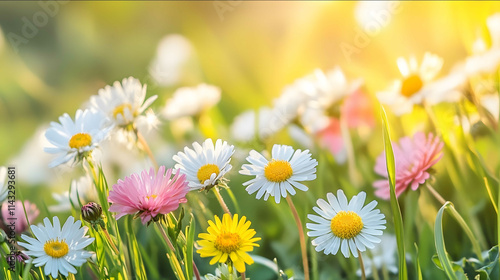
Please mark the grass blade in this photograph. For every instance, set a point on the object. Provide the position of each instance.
(189, 248)
(440, 246)
(396, 211)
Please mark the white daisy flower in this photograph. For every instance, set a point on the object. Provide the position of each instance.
(330, 88)
(122, 103)
(59, 250)
(191, 101)
(205, 165)
(4, 187)
(278, 176)
(75, 140)
(344, 225)
(403, 94)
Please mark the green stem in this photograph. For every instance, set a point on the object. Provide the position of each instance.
(302, 238)
(110, 241)
(172, 255)
(362, 265)
(221, 200)
(435, 194)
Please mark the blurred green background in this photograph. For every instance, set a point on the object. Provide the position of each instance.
(251, 52)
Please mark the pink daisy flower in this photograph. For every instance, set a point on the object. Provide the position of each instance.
(413, 159)
(148, 194)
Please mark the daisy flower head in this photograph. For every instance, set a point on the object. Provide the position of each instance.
(76, 139)
(228, 241)
(279, 176)
(148, 194)
(192, 101)
(206, 165)
(345, 225)
(59, 250)
(123, 102)
(412, 89)
(414, 157)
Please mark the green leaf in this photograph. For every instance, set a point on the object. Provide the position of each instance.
(396, 211)
(445, 263)
(419, 271)
(188, 256)
(134, 252)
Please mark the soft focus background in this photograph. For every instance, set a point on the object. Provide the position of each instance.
(251, 53)
(251, 50)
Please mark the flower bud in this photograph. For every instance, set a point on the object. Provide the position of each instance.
(92, 213)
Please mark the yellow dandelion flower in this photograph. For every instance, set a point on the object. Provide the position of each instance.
(228, 241)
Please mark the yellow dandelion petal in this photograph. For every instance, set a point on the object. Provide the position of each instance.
(239, 264)
(224, 258)
(245, 257)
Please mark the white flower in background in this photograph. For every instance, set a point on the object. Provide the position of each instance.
(278, 176)
(383, 255)
(330, 88)
(345, 225)
(172, 54)
(74, 140)
(290, 103)
(191, 101)
(244, 127)
(412, 89)
(4, 187)
(122, 103)
(483, 60)
(447, 89)
(82, 188)
(314, 118)
(206, 165)
(59, 250)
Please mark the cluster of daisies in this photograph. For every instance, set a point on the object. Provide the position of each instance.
(324, 104)
(350, 227)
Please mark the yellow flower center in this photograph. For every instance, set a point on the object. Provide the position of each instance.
(151, 196)
(80, 140)
(227, 242)
(346, 224)
(56, 248)
(411, 85)
(206, 171)
(120, 109)
(278, 171)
